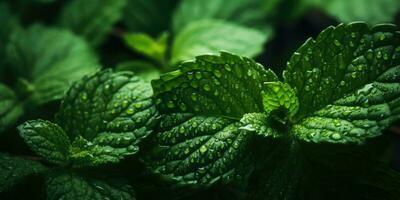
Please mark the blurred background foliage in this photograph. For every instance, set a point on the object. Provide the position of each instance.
(47, 44)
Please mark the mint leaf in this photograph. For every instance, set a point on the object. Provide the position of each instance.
(144, 44)
(200, 138)
(276, 95)
(212, 36)
(149, 16)
(47, 65)
(349, 91)
(14, 169)
(246, 13)
(47, 140)
(259, 123)
(70, 186)
(370, 11)
(92, 19)
(10, 109)
(107, 115)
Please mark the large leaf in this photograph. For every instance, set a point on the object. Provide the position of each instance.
(361, 10)
(347, 82)
(10, 108)
(46, 63)
(212, 36)
(47, 140)
(106, 115)
(70, 186)
(14, 169)
(149, 16)
(93, 19)
(244, 12)
(201, 140)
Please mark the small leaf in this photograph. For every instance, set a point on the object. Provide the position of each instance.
(47, 65)
(13, 170)
(350, 91)
(70, 186)
(47, 140)
(144, 44)
(92, 19)
(107, 115)
(212, 36)
(248, 12)
(200, 138)
(277, 94)
(10, 108)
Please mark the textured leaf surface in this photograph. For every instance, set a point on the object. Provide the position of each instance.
(107, 115)
(149, 16)
(49, 64)
(244, 12)
(92, 19)
(8, 23)
(258, 123)
(47, 140)
(200, 139)
(276, 95)
(10, 109)
(14, 169)
(350, 90)
(212, 36)
(71, 186)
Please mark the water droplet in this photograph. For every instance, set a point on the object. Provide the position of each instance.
(382, 36)
(194, 124)
(379, 55)
(307, 88)
(138, 105)
(182, 106)
(193, 96)
(227, 67)
(198, 75)
(203, 149)
(170, 104)
(370, 54)
(181, 129)
(336, 136)
(353, 34)
(206, 87)
(84, 96)
(190, 75)
(385, 56)
(217, 73)
(342, 83)
(337, 43)
(130, 111)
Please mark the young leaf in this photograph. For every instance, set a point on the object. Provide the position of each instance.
(92, 19)
(47, 140)
(212, 36)
(152, 48)
(200, 139)
(14, 169)
(244, 12)
(10, 109)
(107, 115)
(276, 95)
(70, 186)
(46, 64)
(347, 82)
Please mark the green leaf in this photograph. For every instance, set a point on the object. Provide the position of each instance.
(8, 23)
(47, 140)
(143, 69)
(244, 12)
(10, 108)
(144, 44)
(200, 140)
(46, 64)
(361, 10)
(92, 19)
(13, 170)
(277, 94)
(70, 186)
(350, 90)
(106, 115)
(212, 36)
(259, 123)
(149, 16)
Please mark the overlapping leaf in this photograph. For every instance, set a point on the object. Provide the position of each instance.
(201, 140)
(349, 91)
